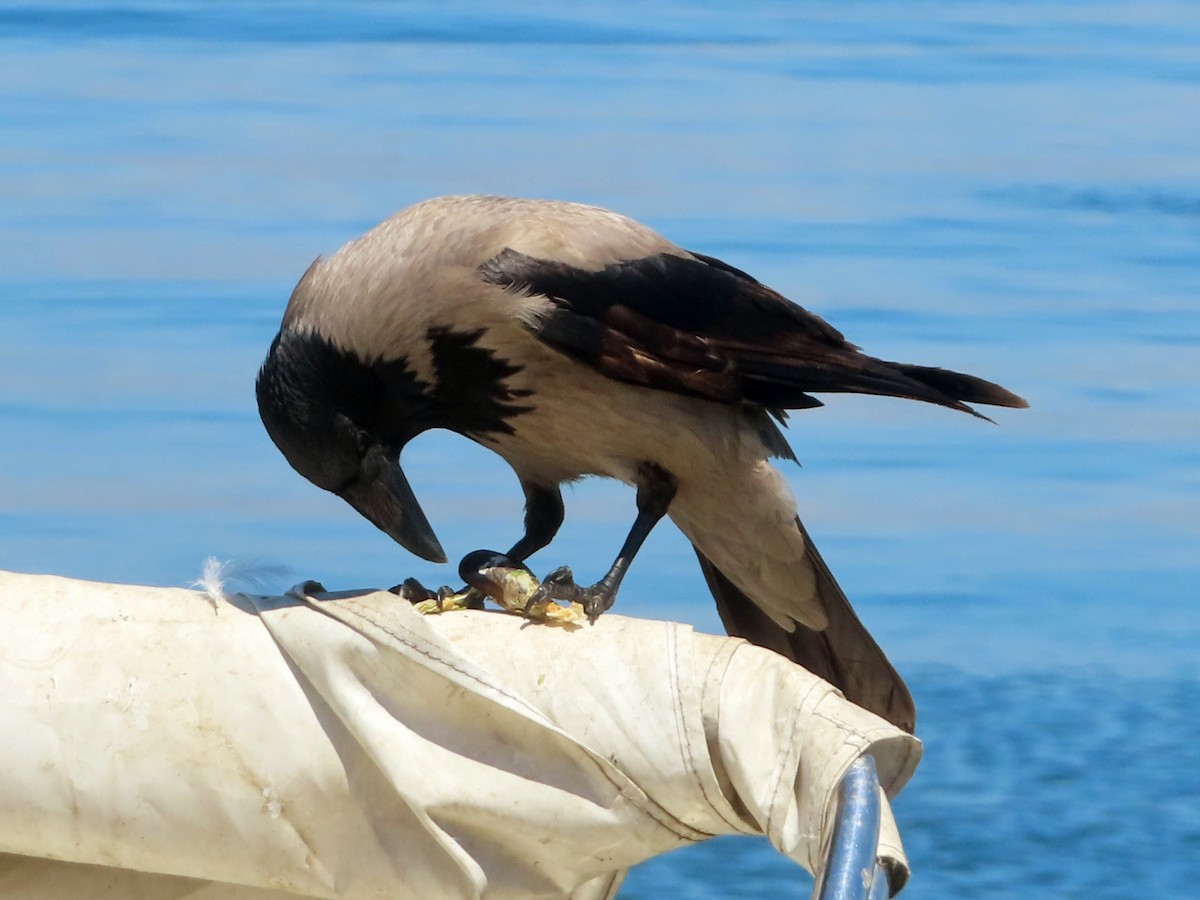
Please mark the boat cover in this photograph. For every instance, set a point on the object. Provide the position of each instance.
(165, 743)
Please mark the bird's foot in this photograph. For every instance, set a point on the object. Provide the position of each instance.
(445, 599)
(511, 585)
(560, 585)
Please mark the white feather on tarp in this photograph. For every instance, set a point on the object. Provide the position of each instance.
(215, 574)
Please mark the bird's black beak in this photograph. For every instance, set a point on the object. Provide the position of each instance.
(382, 494)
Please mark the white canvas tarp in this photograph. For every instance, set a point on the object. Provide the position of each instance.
(158, 745)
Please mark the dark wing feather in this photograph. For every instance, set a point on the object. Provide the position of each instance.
(844, 654)
(697, 326)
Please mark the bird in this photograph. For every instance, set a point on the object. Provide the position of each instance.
(574, 341)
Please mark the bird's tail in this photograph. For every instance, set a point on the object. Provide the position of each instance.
(843, 653)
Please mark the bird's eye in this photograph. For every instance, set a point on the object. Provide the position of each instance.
(363, 442)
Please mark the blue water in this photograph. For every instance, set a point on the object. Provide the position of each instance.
(1011, 189)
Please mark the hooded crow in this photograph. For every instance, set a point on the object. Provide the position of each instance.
(574, 341)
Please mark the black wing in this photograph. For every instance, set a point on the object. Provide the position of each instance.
(695, 325)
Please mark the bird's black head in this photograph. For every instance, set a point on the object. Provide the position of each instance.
(341, 423)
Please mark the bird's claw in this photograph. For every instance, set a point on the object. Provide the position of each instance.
(596, 599)
(412, 590)
(560, 585)
(446, 598)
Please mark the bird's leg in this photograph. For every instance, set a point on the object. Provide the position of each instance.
(655, 491)
(543, 517)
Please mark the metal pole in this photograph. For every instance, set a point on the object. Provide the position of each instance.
(851, 871)
(882, 888)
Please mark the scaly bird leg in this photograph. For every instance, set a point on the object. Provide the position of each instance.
(655, 491)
